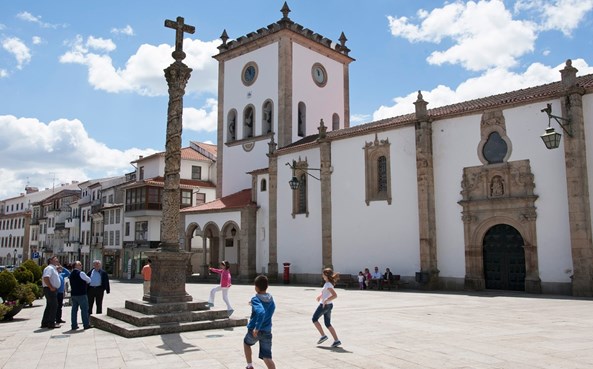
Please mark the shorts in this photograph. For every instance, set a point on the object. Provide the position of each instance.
(265, 343)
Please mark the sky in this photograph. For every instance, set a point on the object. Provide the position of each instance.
(83, 93)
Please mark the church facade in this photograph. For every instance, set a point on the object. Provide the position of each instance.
(464, 196)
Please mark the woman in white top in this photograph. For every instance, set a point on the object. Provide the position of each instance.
(328, 294)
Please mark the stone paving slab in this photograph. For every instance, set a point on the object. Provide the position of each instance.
(378, 329)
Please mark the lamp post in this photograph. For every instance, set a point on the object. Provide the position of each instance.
(294, 181)
(551, 138)
(14, 258)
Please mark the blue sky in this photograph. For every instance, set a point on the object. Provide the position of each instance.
(83, 92)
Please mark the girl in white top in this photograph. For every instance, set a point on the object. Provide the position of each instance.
(328, 294)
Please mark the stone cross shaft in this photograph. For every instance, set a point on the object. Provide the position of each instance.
(180, 27)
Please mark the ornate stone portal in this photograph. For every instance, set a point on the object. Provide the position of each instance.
(498, 192)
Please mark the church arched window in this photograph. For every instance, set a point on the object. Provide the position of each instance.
(335, 122)
(263, 185)
(248, 120)
(267, 117)
(377, 171)
(232, 125)
(302, 120)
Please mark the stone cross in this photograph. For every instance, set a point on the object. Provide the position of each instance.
(180, 27)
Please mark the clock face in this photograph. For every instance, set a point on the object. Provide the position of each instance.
(249, 73)
(319, 74)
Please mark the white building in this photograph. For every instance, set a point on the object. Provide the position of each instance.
(461, 196)
(143, 205)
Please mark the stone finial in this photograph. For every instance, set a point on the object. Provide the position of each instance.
(569, 75)
(224, 37)
(343, 39)
(342, 46)
(271, 146)
(322, 129)
(285, 10)
(421, 111)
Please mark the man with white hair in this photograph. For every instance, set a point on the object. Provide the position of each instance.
(98, 286)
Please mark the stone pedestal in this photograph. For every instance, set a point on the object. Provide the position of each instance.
(168, 276)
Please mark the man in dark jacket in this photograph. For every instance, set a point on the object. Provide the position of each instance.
(78, 284)
(98, 286)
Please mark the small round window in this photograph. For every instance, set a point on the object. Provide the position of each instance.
(495, 149)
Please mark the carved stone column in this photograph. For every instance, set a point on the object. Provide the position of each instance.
(577, 185)
(426, 205)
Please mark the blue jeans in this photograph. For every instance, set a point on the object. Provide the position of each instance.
(326, 311)
(265, 343)
(83, 302)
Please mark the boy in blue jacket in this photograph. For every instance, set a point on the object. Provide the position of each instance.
(259, 327)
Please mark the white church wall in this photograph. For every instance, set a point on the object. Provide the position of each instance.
(237, 96)
(524, 126)
(588, 117)
(327, 100)
(262, 225)
(299, 238)
(455, 143)
(237, 162)
(379, 234)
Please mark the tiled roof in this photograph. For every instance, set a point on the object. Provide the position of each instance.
(187, 153)
(235, 201)
(504, 100)
(185, 184)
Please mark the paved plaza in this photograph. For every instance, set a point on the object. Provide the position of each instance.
(378, 329)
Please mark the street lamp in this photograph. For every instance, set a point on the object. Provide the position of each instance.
(14, 258)
(552, 138)
(294, 181)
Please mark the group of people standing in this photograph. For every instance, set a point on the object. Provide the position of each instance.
(86, 291)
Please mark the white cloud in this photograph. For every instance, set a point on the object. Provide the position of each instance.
(2, 26)
(204, 119)
(3, 73)
(127, 30)
(100, 44)
(561, 15)
(28, 17)
(359, 118)
(36, 40)
(29, 147)
(143, 72)
(18, 49)
(494, 81)
(483, 33)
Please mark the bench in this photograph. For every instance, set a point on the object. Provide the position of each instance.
(395, 281)
(347, 281)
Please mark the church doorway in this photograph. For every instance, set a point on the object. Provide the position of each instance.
(504, 258)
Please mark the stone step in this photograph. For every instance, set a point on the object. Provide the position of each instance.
(125, 329)
(146, 307)
(140, 319)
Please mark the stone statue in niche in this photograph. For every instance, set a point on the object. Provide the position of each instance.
(496, 187)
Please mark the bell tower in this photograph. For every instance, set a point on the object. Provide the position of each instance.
(276, 83)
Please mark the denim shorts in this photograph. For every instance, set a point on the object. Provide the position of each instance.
(265, 343)
(326, 311)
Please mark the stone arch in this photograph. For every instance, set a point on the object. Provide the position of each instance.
(230, 251)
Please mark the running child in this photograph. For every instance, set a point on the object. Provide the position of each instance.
(259, 327)
(328, 294)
